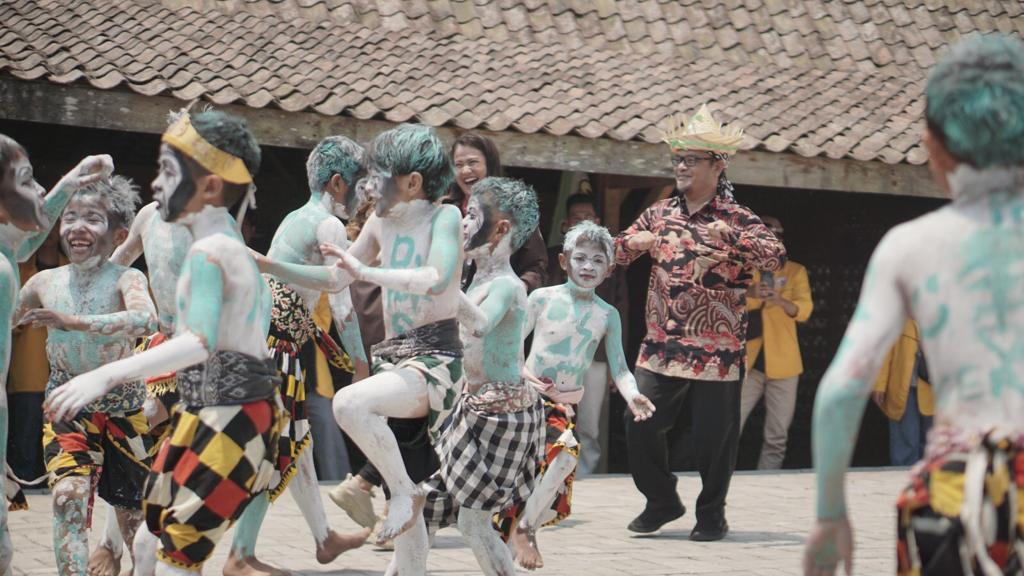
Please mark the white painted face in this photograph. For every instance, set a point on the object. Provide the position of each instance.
(588, 265)
(22, 196)
(85, 231)
(173, 186)
(472, 223)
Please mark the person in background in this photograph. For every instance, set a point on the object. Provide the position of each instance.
(476, 157)
(776, 303)
(903, 393)
(29, 372)
(591, 414)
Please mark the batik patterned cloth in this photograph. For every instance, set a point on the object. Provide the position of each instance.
(435, 351)
(962, 509)
(292, 332)
(113, 449)
(557, 421)
(212, 464)
(124, 398)
(488, 458)
(696, 304)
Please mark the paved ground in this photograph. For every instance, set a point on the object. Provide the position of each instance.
(769, 515)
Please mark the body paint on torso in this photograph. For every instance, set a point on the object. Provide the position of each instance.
(569, 325)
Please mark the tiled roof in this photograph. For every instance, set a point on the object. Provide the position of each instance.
(422, 61)
(872, 35)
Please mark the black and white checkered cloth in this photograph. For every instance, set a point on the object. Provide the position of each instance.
(488, 461)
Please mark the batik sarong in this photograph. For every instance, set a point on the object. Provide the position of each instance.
(112, 448)
(558, 422)
(963, 511)
(435, 351)
(293, 335)
(221, 452)
(489, 451)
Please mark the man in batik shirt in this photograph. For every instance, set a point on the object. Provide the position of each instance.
(704, 247)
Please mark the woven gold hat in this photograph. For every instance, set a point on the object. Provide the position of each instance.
(702, 132)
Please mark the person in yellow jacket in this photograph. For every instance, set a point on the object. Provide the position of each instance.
(776, 303)
(903, 393)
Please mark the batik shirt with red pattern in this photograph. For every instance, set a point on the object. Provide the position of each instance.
(696, 302)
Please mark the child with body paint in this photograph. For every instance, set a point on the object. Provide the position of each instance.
(568, 322)
(956, 272)
(417, 369)
(94, 311)
(333, 168)
(165, 245)
(490, 448)
(26, 218)
(221, 449)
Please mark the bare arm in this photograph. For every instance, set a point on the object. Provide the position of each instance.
(333, 231)
(324, 278)
(130, 250)
(432, 278)
(843, 391)
(494, 307)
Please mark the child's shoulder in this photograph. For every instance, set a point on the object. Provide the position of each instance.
(547, 292)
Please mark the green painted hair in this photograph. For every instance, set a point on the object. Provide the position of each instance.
(517, 200)
(121, 197)
(334, 155)
(587, 231)
(975, 101)
(414, 148)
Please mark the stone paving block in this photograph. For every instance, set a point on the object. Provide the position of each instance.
(769, 516)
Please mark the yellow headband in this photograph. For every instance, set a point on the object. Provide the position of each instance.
(183, 136)
(702, 132)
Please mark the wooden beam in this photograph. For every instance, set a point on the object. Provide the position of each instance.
(85, 106)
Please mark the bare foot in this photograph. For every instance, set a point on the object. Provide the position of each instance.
(102, 562)
(524, 544)
(250, 566)
(403, 510)
(336, 544)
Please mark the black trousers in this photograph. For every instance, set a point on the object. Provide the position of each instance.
(417, 453)
(716, 414)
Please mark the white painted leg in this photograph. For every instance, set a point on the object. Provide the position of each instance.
(411, 548)
(70, 539)
(306, 493)
(144, 550)
(493, 556)
(547, 489)
(358, 409)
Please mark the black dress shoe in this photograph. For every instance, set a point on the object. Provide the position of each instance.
(709, 533)
(651, 519)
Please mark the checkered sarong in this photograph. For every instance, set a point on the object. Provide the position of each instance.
(212, 464)
(488, 460)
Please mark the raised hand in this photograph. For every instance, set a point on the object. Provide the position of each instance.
(643, 240)
(91, 169)
(346, 261)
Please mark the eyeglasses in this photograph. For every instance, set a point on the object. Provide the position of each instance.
(690, 161)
